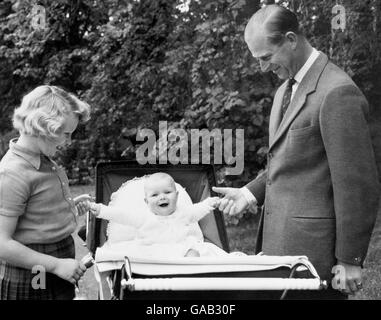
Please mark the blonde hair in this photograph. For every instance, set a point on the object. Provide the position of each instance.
(43, 111)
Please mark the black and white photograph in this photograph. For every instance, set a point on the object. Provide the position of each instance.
(186, 156)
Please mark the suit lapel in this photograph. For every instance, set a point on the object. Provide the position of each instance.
(306, 87)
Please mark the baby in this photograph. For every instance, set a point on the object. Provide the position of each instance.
(164, 223)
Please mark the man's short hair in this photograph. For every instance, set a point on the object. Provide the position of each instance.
(277, 21)
(43, 111)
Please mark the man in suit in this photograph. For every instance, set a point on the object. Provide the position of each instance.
(320, 189)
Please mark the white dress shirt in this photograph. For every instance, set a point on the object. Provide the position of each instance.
(303, 70)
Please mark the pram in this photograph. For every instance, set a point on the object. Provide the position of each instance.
(243, 278)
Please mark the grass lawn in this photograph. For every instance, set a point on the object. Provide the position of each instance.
(242, 238)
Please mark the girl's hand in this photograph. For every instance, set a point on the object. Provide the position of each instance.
(83, 197)
(70, 270)
(82, 203)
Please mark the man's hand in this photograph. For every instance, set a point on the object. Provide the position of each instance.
(348, 278)
(233, 202)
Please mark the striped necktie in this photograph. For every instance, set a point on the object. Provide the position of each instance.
(287, 95)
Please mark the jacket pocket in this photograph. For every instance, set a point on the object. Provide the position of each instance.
(303, 145)
(298, 132)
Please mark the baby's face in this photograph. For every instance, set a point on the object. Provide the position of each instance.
(161, 196)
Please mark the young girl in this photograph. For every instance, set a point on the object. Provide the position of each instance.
(37, 211)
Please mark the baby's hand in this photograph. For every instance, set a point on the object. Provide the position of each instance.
(212, 201)
(95, 208)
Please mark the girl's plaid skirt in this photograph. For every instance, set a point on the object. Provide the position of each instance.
(20, 284)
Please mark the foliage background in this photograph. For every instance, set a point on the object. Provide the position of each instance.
(140, 61)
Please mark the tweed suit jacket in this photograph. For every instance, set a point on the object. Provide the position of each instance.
(320, 189)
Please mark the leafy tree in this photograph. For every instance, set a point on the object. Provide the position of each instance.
(55, 53)
(139, 61)
(127, 90)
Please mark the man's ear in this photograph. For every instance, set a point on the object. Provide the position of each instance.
(292, 38)
(145, 200)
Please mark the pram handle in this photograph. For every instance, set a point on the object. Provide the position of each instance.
(88, 262)
(200, 284)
